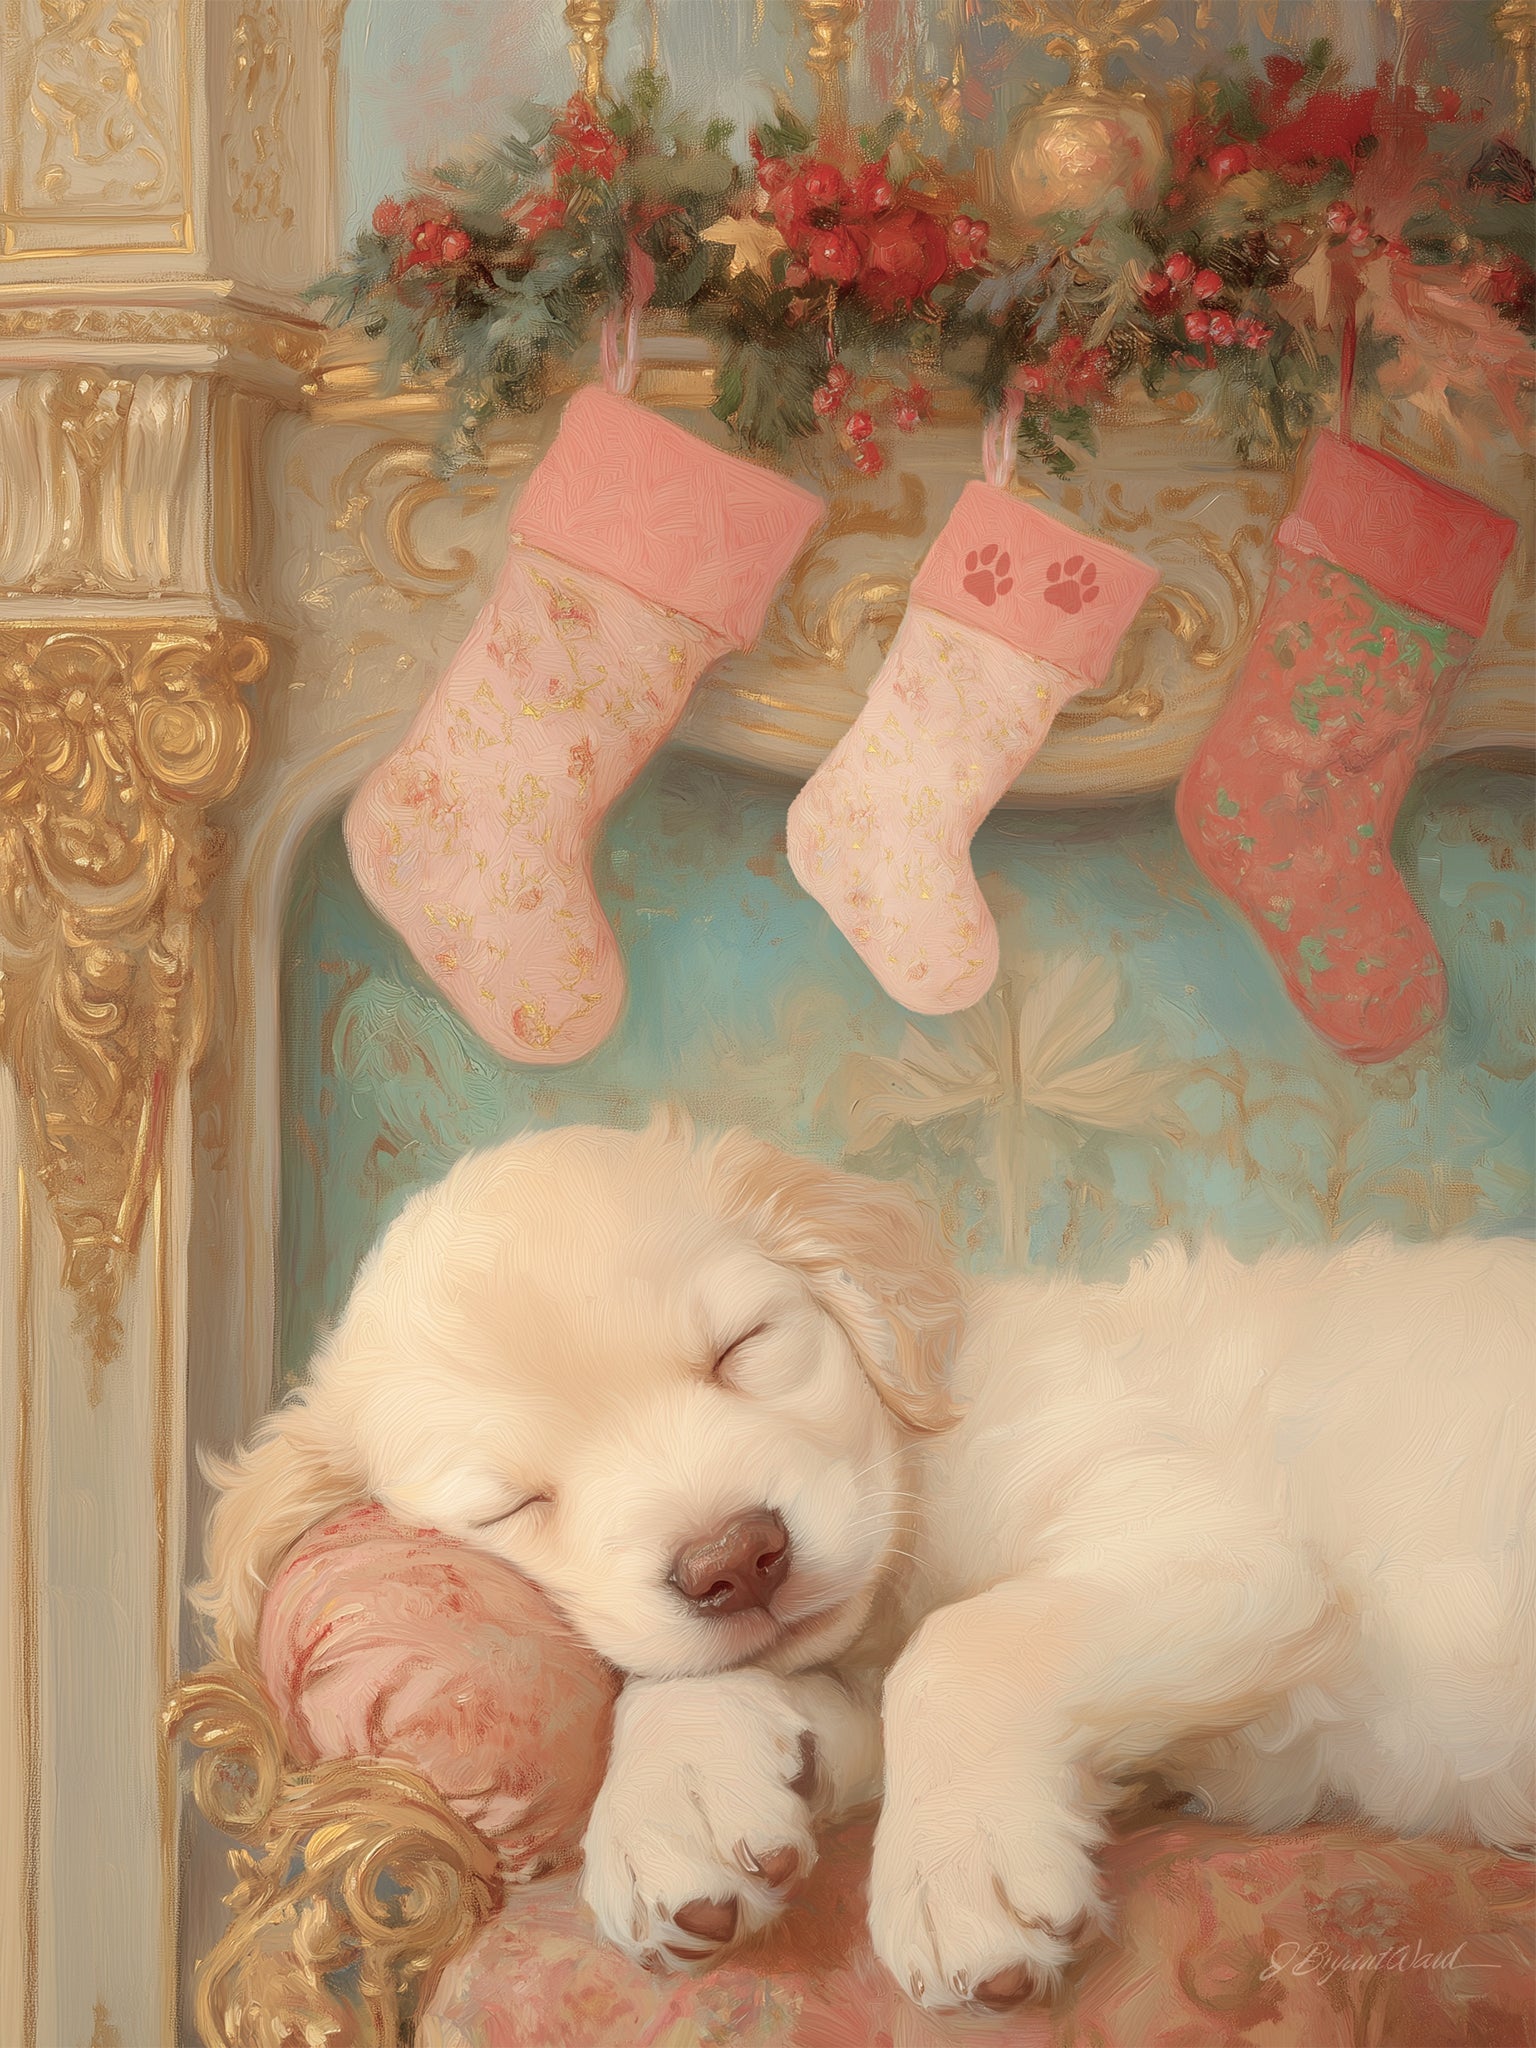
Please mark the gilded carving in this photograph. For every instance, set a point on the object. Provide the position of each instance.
(262, 80)
(296, 345)
(114, 744)
(378, 498)
(102, 138)
(358, 1872)
(94, 482)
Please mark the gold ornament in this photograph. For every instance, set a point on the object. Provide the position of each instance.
(1085, 149)
(115, 742)
(753, 243)
(357, 1873)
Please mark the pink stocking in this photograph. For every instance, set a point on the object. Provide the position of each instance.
(1010, 616)
(639, 556)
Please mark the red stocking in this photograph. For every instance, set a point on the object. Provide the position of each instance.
(1382, 584)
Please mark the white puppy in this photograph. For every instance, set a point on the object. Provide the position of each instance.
(1268, 1528)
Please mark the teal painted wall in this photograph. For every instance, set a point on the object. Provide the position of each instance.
(1157, 1079)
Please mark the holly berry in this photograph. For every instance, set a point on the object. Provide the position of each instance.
(1197, 326)
(1252, 332)
(388, 217)
(911, 407)
(1157, 293)
(859, 426)
(968, 241)
(1208, 286)
(839, 378)
(1340, 217)
(1229, 162)
(455, 245)
(773, 172)
(873, 191)
(833, 254)
(1032, 380)
(868, 459)
(826, 401)
(1223, 329)
(1180, 268)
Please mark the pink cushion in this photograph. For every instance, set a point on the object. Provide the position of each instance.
(381, 1640)
(1332, 1938)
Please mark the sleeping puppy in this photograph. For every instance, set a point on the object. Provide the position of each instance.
(1003, 1546)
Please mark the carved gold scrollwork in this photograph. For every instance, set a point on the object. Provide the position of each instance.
(261, 86)
(102, 136)
(825, 627)
(360, 1877)
(381, 520)
(114, 744)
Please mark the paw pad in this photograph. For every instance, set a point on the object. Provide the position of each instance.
(988, 574)
(1071, 584)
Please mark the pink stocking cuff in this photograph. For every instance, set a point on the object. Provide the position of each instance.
(1014, 572)
(632, 497)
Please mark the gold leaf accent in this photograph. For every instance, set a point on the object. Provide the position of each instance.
(359, 1867)
(114, 744)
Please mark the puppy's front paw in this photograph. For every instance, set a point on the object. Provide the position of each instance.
(978, 1896)
(704, 1820)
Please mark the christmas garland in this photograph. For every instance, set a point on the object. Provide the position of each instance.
(1308, 236)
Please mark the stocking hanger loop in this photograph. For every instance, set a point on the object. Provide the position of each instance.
(621, 363)
(1000, 440)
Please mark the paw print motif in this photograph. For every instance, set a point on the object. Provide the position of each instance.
(1071, 584)
(988, 578)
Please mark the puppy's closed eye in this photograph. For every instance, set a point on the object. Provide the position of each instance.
(529, 1500)
(719, 1370)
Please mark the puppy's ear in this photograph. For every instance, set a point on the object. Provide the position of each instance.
(298, 1468)
(872, 1256)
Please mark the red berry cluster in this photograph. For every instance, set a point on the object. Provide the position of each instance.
(1208, 322)
(536, 213)
(1355, 232)
(908, 408)
(876, 239)
(584, 143)
(1069, 374)
(427, 233)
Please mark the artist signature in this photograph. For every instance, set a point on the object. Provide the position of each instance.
(1317, 1959)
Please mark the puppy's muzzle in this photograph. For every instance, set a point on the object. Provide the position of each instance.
(740, 1566)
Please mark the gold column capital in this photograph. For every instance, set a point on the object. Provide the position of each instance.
(115, 742)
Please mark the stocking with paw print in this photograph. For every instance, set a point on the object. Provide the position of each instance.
(639, 556)
(1382, 582)
(1011, 615)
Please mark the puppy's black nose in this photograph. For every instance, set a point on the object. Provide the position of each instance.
(742, 1565)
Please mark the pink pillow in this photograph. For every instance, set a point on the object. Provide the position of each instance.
(380, 1640)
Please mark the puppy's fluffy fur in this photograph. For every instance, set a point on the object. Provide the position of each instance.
(1267, 1528)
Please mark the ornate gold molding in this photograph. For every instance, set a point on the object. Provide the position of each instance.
(114, 744)
(96, 149)
(359, 1868)
(293, 343)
